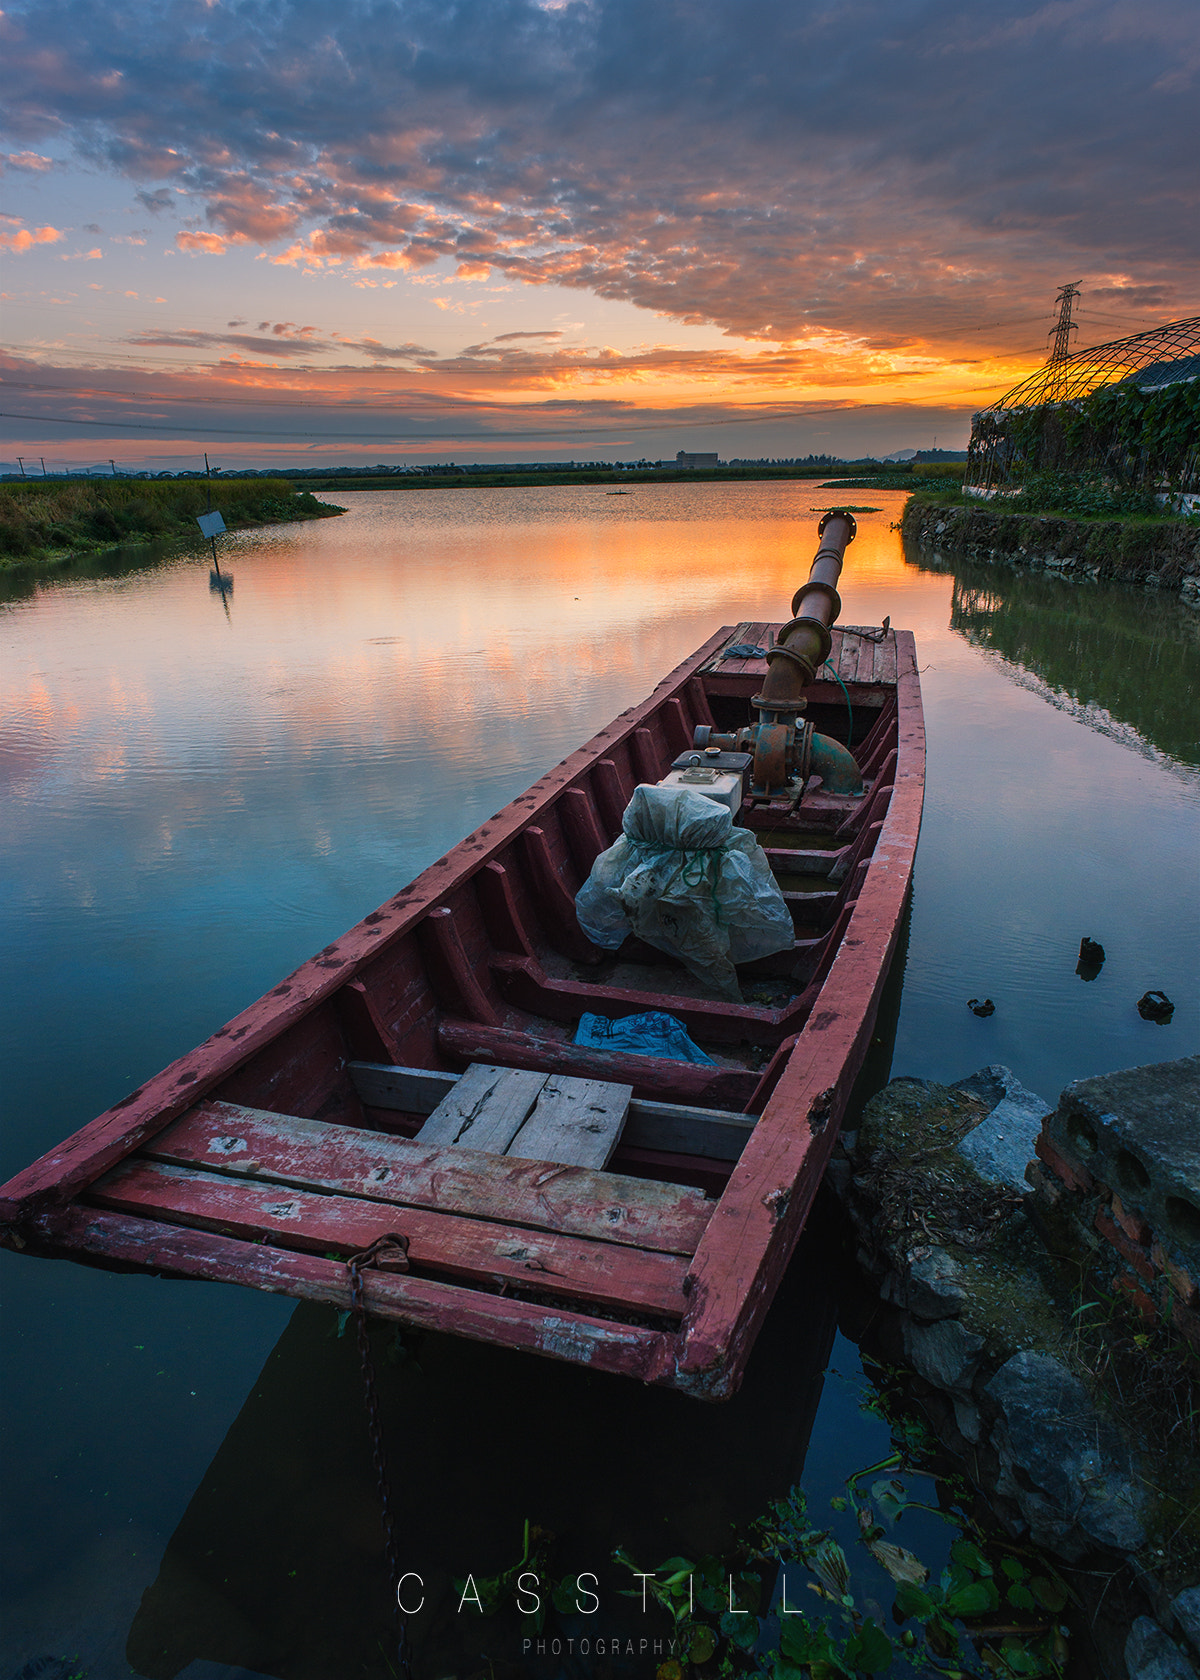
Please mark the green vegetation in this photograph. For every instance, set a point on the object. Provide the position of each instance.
(1141, 668)
(1063, 496)
(944, 478)
(941, 471)
(1120, 438)
(45, 523)
(790, 1601)
(1087, 498)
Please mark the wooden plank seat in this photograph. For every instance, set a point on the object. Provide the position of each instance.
(652, 1077)
(492, 1253)
(538, 1116)
(525, 983)
(494, 1221)
(680, 1128)
(258, 1145)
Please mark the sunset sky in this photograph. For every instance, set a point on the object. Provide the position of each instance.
(291, 232)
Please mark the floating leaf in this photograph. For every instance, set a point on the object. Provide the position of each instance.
(889, 1495)
(741, 1631)
(900, 1565)
(828, 1564)
(870, 1649)
(710, 1598)
(1051, 1594)
(1014, 1570)
(1020, 1596)
(976, 1599)
(911, 1601)
(565, 1596)
(703, 1644)
(968, 1554)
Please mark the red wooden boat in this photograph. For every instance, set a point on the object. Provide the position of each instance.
(633, 1213)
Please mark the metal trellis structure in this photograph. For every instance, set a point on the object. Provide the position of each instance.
(1152, 360)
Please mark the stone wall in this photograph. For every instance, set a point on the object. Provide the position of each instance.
(1004, 1238)
(1119, 1158)
(1156, 556)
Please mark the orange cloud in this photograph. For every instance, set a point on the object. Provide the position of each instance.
(213, 243)
(25, 238)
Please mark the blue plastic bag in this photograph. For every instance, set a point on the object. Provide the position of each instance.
(651, 1034)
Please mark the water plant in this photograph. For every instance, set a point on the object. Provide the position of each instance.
(985, 1609)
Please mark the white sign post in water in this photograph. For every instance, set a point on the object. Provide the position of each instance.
(212, 525)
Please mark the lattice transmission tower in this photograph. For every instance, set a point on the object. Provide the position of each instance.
(1061, 331)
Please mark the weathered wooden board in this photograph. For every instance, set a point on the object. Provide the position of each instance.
(485, 1110)
(679, 1129)
(309, 1155)
(753, 634)
(495, 1254)
(410, 1090)
(525, 983)
(651, 1076)
(717, 1134)
(847, 656)
(576, 1121)
(885, 664)
(426, 1303)
(868, 647)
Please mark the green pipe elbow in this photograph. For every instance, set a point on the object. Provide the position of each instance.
(835, 765)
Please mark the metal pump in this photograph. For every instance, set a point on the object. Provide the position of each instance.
(786, 749)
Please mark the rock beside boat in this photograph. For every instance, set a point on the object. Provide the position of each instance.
(1042, 1264)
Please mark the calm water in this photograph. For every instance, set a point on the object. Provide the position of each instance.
(200, 792)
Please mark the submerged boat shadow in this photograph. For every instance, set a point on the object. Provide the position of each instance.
(277, 1565)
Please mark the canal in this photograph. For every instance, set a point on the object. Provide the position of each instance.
(203, 787)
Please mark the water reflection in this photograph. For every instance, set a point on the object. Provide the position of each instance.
(1124, 661)
(277, 1564)
(195, 804)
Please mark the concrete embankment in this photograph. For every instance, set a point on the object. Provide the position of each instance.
(1156, 554)
(1039, 1269)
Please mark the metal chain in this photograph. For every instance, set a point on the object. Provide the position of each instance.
(389, 1253)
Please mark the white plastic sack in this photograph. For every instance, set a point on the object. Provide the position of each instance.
(686, 880)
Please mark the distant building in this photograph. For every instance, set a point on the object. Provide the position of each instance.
(683, 459)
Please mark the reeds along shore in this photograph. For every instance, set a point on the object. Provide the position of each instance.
(43, 518)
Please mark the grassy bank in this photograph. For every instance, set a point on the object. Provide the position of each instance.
(45, 524)
(1159, 550)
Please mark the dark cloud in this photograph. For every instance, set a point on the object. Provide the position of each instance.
(894, 170)
(283, 339)
(340, 409)
(248, 344)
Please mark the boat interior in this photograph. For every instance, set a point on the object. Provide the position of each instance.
(417, 1080)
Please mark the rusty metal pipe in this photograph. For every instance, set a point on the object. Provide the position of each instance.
(803, 645)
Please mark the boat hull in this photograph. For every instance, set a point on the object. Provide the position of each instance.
(661, 1265)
